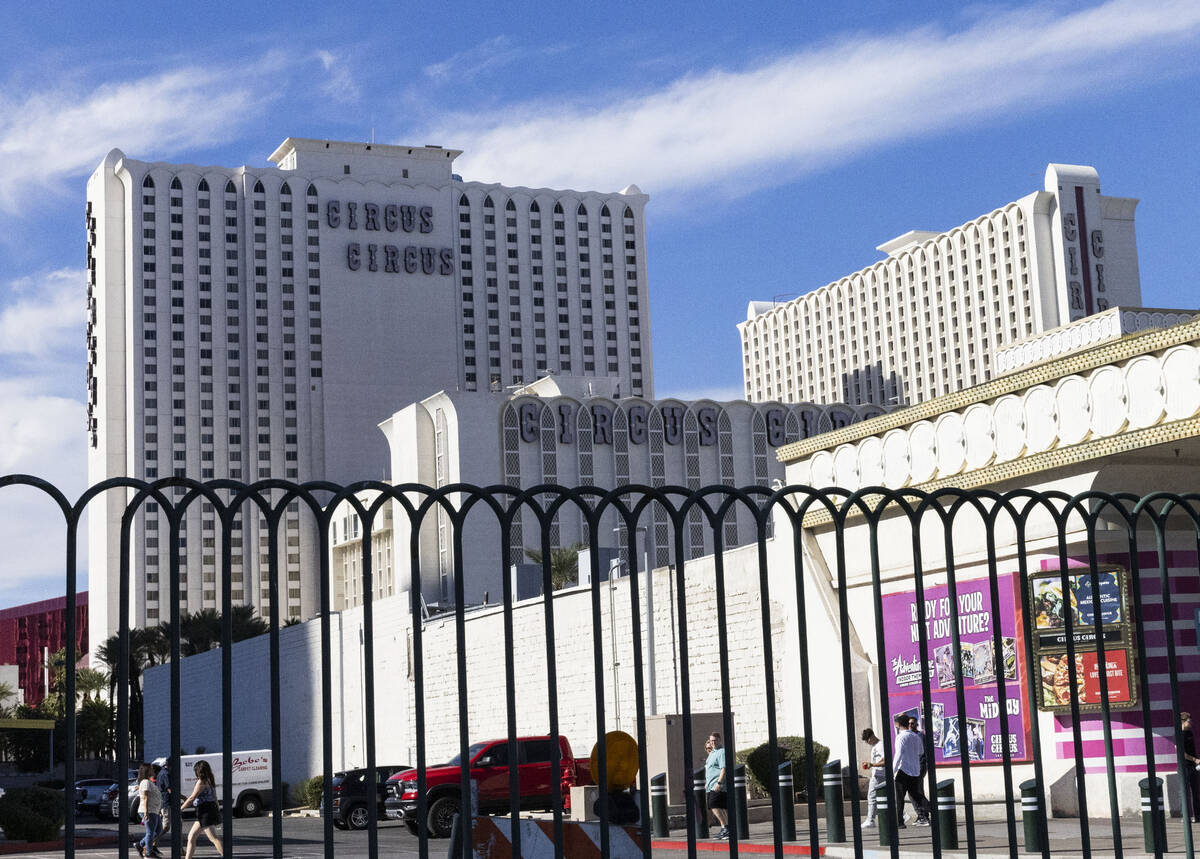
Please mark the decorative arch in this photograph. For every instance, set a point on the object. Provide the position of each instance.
(230, 188)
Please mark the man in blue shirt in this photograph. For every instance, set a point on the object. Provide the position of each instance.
(714, 782)
(907, 772)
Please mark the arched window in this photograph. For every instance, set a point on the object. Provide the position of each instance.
(463, 201)
(533, 207)
(604, 211)
(203, 187)
(510, 206)
(258, 187)
(628, 213)
(312, 191)
(582, 211)
(285, 189)
(487, 202)
(147, 182)
(176, 185)
(230, 188)
(558, 209)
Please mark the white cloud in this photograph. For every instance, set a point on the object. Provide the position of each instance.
(339, 83)
(65, 130)
(766, 124)
(487, 56)
(41, 428)
(46, 319)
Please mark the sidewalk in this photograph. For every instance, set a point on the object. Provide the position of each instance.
(991, 841)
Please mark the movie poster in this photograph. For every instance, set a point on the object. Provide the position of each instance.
(1050, 609)
(981, 669)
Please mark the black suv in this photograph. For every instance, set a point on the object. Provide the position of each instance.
(351, 792)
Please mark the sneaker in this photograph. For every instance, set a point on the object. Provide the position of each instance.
(922, 821)
(870, 824)
(140, 849)
(724, 833)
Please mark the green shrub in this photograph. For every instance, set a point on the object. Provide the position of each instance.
(758, 765)
(32, 814)
(310, 791)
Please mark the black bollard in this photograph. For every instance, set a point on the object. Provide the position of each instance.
(701, 804)
(835, 820)
(1033, 815)
(740, 804)
(947, 815)
(658, 805)
(883, 817)
(1154, 824)
(785, 801)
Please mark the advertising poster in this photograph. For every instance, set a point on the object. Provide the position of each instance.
(1050, 607)
(980, 670)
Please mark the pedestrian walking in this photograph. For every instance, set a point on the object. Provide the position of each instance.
(907, 773)
(714, 782)
(208, 813)
(914, 726)
(150, 804)
(878, 778)
(1189, 755)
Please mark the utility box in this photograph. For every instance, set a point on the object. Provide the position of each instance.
(664, 750)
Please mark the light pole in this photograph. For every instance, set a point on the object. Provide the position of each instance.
(652, 686)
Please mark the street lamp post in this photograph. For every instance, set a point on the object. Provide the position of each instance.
(652, 686)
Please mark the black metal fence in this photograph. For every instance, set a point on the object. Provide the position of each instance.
(1153, 524)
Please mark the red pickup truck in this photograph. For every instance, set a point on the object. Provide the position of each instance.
(489, 768)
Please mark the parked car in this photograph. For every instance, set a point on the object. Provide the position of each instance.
(489, 769)
(352, 792)
(89, 796)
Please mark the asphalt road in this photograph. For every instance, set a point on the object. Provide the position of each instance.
(303, 837)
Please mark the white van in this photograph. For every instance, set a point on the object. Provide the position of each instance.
(251, 782)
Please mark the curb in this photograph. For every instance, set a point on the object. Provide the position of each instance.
(722, 846)
(10, 847)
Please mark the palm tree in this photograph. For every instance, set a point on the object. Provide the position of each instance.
(564, 563)
(6, 692)
(89, 682)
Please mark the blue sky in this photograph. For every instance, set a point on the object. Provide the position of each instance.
(779, 142)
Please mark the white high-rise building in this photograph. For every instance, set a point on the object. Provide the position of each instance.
(259, 322)
(928, 318)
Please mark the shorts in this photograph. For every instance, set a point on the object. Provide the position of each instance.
(209, 814)
(717, 799)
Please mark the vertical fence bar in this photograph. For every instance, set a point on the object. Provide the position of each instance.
(69, 692)
(551, 684)
(510, 682)
(1035, 736)
(723, 669)
(847, 680)
(326, 692)
(764, 614)
(926, 690)
(797, 520)
(226, 687)
(685, 686)
(639, 693)
(601, 778)
(881, 662)
(276, 678)
(1114, 805)
(417, 606)
(460, 653)
(959, 686)
(372, 777)
(1160, 536)
(1139, 637)
(122, 737)
(1010, 820)
(176, 681)
(1085, 834)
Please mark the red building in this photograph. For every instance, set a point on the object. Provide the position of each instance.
(26, 629)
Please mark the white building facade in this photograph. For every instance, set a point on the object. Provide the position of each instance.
(927, 320)
(573, 432)
(242, 319)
